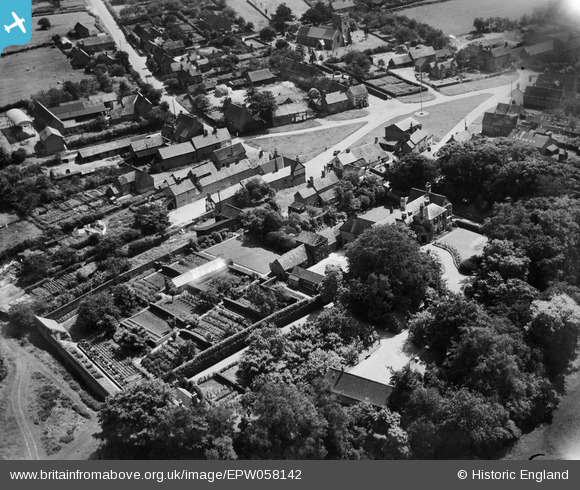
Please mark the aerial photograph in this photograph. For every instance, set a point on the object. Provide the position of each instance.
(290, 230)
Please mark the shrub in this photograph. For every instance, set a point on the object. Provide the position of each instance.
(469, 266)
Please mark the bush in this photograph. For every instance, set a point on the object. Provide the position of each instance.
(469, 266)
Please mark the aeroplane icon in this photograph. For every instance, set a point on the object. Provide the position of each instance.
(17, 23)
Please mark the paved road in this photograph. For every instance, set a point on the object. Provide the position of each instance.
(455, 281)
(137, 62)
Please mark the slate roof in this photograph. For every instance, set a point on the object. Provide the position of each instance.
(424, 52)
(358, 389)
(78, 108)
(203, 141)
(147, 143)
(235, 150)
(294, 257)
(174, 151)
(48, 131)
(336, 98)
(305, 275)
(260, 75)
(309, 238)
(187, 126)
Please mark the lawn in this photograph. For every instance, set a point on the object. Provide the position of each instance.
(306, 145)
(466, 242)
(456, 16)
(486, 83)
(17, 233)
(61, 24)
(29, 72)
(247, 252)
(439, 121)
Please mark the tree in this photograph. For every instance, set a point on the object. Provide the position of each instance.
(377, 434)
(261, 221)
(413, 170)
(281, 17)
(142, 422)
(331, 283)
(480, 25)
(95, 312)
(387, 273)
(108, 247)
(124, 298)
(318, 14)
(262, 104)
(555, 328)
(44, 23)
(201, 103)
(132, 340)
(267, 34)
(151, 218)
(283, 424)
(35, 267)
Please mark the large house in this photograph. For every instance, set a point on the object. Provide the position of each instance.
(406, 136)
(426, 213)
(502, 120)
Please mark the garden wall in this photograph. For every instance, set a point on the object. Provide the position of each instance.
(238, 341)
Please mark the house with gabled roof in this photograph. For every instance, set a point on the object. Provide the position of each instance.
(319, 191)
(135, 181)
(324, 37)
(358, 96)
(305, 280)
(207, 142)
(425, 212)
(286, 263)
(52, 140)
(81, 30)
(261, 77)
(232, 154)
(186, 127)
(146, 148)
(98, 43)
(239, 119)
(177, 155)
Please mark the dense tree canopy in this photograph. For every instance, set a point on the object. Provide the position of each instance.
(387, 273)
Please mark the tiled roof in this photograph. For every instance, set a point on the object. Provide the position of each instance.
(260, 75)
(203, 141)
(309, 238)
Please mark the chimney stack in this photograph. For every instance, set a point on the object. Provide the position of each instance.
(261, 153)
(403, 204)
(311, 182)
(323, 174)
(422, 211)
(214, 131)
(376, 140)
(275, 152)
(428, 189)
(205, 133)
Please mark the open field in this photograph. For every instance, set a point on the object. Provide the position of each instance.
(16, 233)
(439, 121)
(483, 84)
(249, 13)
(306, 145)
(247, 252)
(60, 24)
(40, 68)
(348, 115)
(456, 16)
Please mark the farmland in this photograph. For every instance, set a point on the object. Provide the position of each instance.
(456, 16)
(42, 68)
(61, 24)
